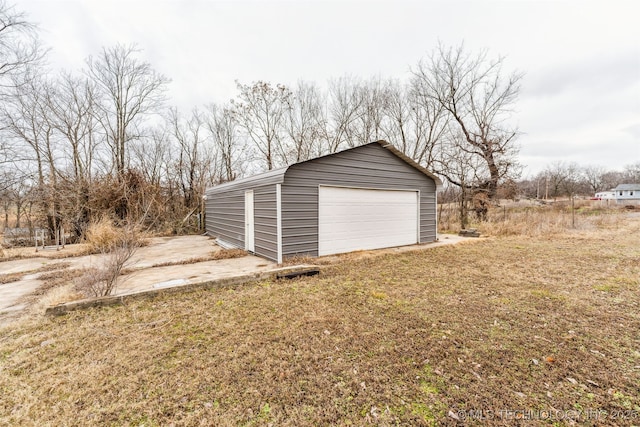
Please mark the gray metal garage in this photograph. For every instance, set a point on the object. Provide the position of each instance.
(367, 197)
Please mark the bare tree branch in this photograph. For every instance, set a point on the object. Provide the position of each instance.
(478, 101)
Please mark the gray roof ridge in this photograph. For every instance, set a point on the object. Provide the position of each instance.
(630, 186)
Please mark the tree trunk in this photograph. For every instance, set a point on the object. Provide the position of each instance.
(463, 207)
(494, 175)
(18, 204)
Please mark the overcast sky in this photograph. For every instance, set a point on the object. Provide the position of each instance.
(580, 97)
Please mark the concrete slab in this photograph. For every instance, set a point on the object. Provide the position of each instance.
(443, 240)
(172, 249)
(11, 294)
(159, 250)
(151, 278)
(27, 264)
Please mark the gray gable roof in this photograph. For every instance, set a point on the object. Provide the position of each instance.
(623, 187)
(276, 176)
(410, 161)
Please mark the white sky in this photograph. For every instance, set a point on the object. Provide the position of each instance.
(581, 92)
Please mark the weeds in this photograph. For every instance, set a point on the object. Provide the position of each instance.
(117, 246)
(530, 220)
(228, 254)
(56, 279)
(10, 278)
(15, 277)
(103, 235)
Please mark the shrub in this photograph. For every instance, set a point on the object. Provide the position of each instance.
(103, 235)
(117, 245)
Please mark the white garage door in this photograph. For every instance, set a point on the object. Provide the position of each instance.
(351, 219)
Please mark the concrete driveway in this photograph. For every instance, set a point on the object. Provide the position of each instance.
(144, 275)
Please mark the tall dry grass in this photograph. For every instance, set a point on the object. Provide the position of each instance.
(528, 219)
(103, 234)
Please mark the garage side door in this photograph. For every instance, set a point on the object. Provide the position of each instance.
(351, 219)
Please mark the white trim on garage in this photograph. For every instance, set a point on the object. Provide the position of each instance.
(279, 222)
(249, 222)
(436, 206)
(351, 219)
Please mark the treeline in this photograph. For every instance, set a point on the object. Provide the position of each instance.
(105, 141)
(566, 179)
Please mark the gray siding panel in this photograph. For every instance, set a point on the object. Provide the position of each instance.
(265, 216)
(225, 216)
(369, 166)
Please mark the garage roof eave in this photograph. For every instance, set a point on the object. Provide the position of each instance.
(275, 176)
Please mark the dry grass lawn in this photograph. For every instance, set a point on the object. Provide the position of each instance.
(542, 323)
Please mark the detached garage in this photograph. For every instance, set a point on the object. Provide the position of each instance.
(368, 197)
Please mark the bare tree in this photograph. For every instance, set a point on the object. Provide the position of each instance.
(594, 177)
(261, 113)
(344, 107)
(632, 173)
(20, 52)
(571, 186)
(5, 202)
(396, 126)
(478, 100)
(127, 91)
(153, 155)
(19, 46)
(72, 106)
(305, 122)
(463, 169)
(13, 197)
(194, 155)
(223, 127)
(26, 115)
(413, 123)
(561, 178)
(23, 125)
(611, 179)
(373, 98)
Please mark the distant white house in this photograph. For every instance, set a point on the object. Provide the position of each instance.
(605, 195)
(627, 194)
